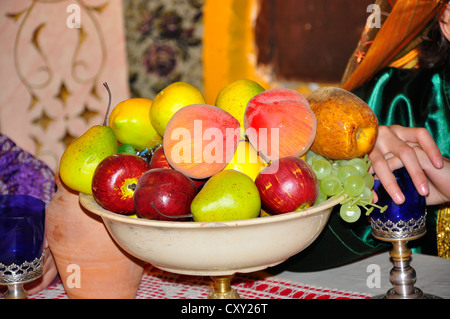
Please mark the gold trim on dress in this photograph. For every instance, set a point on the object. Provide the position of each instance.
(443, 232)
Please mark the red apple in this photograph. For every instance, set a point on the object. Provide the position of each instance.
(115, 180)
(164, 194)
(280, 123)
(288, 184)
(159, 161)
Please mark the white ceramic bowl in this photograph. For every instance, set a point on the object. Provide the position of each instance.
(215, 248)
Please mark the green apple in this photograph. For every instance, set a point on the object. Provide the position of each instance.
(227, 195)
(234, 97)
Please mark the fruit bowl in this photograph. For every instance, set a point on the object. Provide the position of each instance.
(216, 249)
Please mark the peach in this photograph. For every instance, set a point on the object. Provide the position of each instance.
(346, 126)
(279, 123)
(200, 140)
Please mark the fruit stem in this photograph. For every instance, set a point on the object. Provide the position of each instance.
(382, 209)
(264, 158)
(105, 121)
(355, 201)
(341, 192)
(169, 216)
(368, 161)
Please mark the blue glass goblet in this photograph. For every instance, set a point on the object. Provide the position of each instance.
(399, 224)
(22, 227)
(406, 221)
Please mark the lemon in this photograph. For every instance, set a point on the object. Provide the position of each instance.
(169, 100)
(130, 122)
(246, 160)
(234, 97)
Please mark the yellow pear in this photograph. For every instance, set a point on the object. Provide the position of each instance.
(82, 156)
(234, 97)
(346, 126)
(246, 160)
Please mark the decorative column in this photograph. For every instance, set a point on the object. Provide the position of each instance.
(54, 57)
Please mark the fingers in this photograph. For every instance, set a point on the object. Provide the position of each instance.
(408, 157)
(423, 138)
(412, 137)
(395, 148)
(50, 273)
(384, 174)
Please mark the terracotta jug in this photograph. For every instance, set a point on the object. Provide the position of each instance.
(91, 265)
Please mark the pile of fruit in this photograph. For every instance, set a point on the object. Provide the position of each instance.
(255, 152)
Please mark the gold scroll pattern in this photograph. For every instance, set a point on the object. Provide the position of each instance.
(443, 232)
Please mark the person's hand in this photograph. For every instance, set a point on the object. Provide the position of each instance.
(396, 147)
(438, 179)
(49, 273)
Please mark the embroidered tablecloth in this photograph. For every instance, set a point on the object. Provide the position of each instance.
(158, 284)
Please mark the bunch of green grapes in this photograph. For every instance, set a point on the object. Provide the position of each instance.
(349, 177)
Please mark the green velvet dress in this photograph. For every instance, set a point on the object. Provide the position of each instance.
(413, 98)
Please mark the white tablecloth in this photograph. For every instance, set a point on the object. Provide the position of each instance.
(433, 275)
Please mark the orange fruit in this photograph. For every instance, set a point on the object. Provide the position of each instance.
(346, 126)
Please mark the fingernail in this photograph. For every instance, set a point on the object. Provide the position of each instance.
(439, 162)
(375, 197)
(399, 198)
(423, 188)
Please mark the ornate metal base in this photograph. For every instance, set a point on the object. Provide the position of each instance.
(15, 276)
(403, 276)
(222, 288)
(418, 294)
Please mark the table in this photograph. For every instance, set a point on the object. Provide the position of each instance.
(158, 284)
(433, 275)
(357, 280)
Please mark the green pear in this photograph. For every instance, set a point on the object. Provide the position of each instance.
(227, 195)
(82, 156)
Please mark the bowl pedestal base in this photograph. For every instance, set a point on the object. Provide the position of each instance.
(222, 288)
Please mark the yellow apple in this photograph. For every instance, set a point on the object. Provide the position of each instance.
(130, 122)
(246, 160)
(234, 97)
(171, 99)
